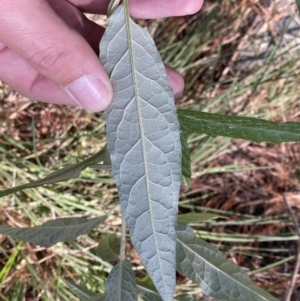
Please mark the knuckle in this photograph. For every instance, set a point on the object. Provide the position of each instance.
(49, 60)
(2, 47)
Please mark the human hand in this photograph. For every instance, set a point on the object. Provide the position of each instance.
(49, 49)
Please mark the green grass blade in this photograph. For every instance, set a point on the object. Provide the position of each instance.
(239, 127)
(15, 293)
(192, 217)
(7, 267)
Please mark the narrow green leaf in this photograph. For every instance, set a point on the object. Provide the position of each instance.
(121, 283)
(108, 248)
(247, 128)
(79, 290)
(185, 162)
(208, 267)
(144, 145)
(54, 231)
(190, 218)
(63, 174)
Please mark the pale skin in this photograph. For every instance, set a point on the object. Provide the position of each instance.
(49, 49)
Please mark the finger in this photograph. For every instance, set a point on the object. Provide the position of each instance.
(145, 9)
(176, 81)
(92, 6)
(71, 15)
(152, 9)
(17, 73)
(55, 51)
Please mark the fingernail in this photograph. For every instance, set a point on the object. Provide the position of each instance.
(89, 92)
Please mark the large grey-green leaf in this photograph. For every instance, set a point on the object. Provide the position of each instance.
(121, 283)
(54, 231)
(148, 294)
(96, 298)
(247, 128)
(208, 267)
(63, 174)
(144, 145)
(80, 291)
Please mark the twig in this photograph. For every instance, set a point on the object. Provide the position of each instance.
(297, 266)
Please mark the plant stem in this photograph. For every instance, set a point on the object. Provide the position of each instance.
(123, 240)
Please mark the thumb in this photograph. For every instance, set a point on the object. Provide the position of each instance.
(54, 50)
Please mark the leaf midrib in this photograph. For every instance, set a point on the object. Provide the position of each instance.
(120, 279)
(130, 46)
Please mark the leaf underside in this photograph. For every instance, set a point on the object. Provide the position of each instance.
(108, 248)
(144, 145)
(208, 267)
(121, 284)
(54, 231)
